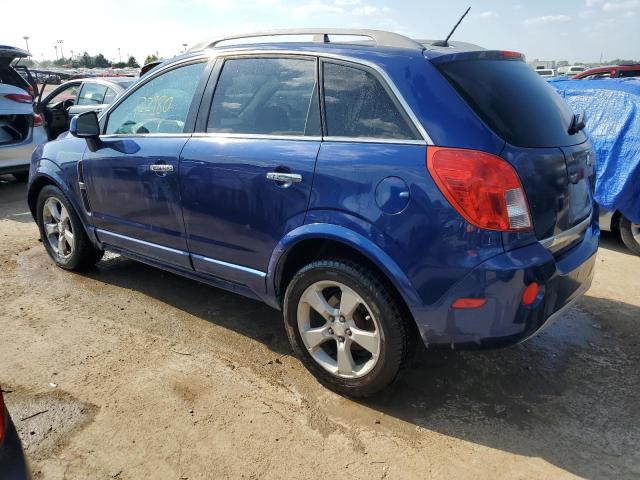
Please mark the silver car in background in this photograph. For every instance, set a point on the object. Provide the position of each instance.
(629, 231)
(21, 129)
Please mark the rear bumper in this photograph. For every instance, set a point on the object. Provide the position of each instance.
(503, 319)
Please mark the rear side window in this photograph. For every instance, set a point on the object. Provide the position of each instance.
(513, 101)
(268, 96)
(358, 106)
(92, 94)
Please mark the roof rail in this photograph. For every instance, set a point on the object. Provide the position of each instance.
(380, 37)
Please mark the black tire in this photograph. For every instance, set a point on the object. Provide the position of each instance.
(21, 176)
(83, 254)
(627, 234)
(397, 344)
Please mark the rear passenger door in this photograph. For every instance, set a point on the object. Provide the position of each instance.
(246, 176)
(370, 171)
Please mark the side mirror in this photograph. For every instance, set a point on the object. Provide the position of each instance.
(85, 125)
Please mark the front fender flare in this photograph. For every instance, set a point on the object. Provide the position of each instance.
(350, 238)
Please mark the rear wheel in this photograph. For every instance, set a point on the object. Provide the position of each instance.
(62, 232)
(630, 233)
(346, 328)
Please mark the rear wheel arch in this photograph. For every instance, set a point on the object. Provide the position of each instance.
(34, 190)
(311, 249)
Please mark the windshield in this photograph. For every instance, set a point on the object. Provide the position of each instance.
(515, 102)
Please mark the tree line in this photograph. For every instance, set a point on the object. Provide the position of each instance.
(90, 61)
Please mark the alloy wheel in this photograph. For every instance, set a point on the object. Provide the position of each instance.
(339, 330)
(58, 228)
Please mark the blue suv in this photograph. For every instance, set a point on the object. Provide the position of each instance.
(376, 192)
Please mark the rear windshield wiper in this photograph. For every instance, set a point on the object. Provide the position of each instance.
(577, 123)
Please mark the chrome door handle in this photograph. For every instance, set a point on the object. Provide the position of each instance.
(284, 177)
(161, 168)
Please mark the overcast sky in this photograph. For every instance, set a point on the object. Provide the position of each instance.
(575, 30)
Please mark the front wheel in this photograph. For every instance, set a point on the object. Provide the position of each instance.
(630, 233)
(346, 328)
(62, 232)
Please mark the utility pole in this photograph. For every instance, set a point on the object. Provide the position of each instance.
(26, 40)
(56, 48)
(61, 54)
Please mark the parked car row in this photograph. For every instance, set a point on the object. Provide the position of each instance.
(579, 72)
(27, 120)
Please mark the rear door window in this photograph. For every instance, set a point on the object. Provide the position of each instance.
(267, 96)
(358, 106)
(92, 94)
(518, 105)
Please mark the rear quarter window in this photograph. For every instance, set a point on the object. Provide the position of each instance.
(515, 102)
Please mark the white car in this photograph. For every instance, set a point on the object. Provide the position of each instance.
(21, 130)
(546, 72)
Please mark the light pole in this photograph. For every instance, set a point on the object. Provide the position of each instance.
(60, 42)
(56, 48)
(184, 45)
(119, 56)
(72, 55)
(26, 40)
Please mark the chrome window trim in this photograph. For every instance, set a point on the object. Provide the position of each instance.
(567, 235)
(324, 55)
(374, 140)
(144, 135)
(255, 136)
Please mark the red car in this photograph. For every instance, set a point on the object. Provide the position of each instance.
(611, 71)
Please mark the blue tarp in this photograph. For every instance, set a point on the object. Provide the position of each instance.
(612, 110)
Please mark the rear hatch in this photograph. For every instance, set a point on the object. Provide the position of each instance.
(556, 166)
(8, 74)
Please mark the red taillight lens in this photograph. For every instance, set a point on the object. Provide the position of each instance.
(483, 188)
(509, 54)
(19, 97)
(37, 120)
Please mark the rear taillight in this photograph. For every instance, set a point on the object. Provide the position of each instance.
(19, 97)
(31, 91)
(37, 120)
(483, 188)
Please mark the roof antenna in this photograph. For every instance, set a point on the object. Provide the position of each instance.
(445, 42)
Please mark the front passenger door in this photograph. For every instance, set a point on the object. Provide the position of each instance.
(131, 180)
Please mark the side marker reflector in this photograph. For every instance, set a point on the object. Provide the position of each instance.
(469, 303)
(530, 294)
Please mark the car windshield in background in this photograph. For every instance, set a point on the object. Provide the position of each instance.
(515, 102)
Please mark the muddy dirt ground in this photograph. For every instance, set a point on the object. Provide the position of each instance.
(135, 373)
